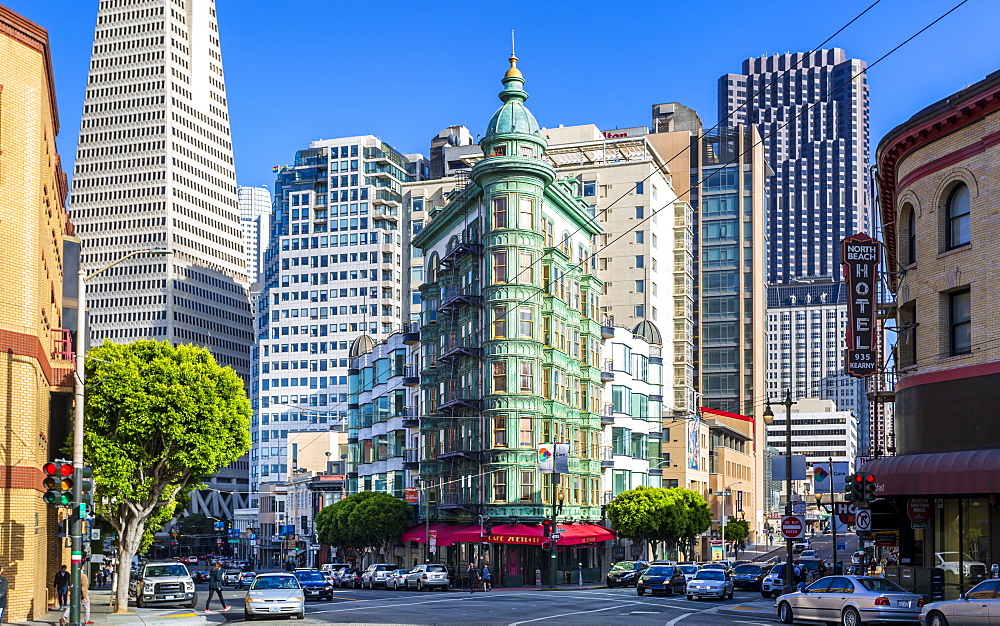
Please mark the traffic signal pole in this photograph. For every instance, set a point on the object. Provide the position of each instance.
(76, 523)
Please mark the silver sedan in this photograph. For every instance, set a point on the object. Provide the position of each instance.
(710, 583)
(275, 594)
(981, 605)
(851, 601)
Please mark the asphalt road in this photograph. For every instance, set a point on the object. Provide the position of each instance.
(508, 608)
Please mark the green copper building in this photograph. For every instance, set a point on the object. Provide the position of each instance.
(510, 345)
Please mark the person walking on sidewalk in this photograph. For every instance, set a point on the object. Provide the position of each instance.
(473, 575)
(61, 583)
(215, 587)
(4, 584)
(485, 573)
(84, 600)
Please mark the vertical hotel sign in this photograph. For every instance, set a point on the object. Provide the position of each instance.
(860, 255)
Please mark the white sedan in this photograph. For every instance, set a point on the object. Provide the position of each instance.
(710, 583)
(851, 601)
(981, 605)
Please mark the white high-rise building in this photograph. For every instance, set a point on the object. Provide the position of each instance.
(154, 169)
(255, 211)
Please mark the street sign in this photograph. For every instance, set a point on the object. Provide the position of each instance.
(798, 508)
(556, 536)
(863, 521)
(841, 547)
(792, 527)
(919, 512)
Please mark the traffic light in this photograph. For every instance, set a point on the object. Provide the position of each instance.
(546, 528)
(868, 492)
(85, 484)
(58, 483)
(856, 488)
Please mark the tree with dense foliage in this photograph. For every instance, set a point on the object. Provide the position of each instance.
(369, 520)
(159, 418)
(735, 533)
(655, 514)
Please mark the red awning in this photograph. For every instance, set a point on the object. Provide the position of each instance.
(446, 533)
(576, 534)
(520, 534)
(969, 471)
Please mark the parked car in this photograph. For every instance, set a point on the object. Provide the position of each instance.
(689, 570)
(376, 574)
(231, 576)
(949, 562)
(625, 573)
(666, 579)
(394, 580)
(275, 594)
(750, 575)
(428, 576)
(314, 584)
(850, 600)
(350, 578)
(981, 605)
(245, 579)
(158, 582)
(710, 583)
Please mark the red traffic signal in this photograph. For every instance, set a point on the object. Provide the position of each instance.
(58, 483)
(546, 528)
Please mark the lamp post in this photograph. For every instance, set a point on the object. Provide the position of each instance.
(76, 520)
(833, 515)
(789, 585)
(725, 493)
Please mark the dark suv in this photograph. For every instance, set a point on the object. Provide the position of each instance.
(667, 579)
(625, 573)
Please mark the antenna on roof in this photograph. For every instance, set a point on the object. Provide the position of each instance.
(512, 43)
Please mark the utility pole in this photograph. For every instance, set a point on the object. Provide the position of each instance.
(554, 480)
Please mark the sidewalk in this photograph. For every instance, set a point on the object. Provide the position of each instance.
(100, 613)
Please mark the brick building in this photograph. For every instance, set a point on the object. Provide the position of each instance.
(940, 196)
(35, 359)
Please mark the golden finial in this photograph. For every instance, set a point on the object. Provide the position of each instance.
(513, 72)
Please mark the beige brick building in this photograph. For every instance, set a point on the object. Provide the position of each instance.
(35, 364)
(939, 182)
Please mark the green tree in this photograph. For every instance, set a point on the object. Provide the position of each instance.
(369, 520)
(735, 533)
(642, 514)
(159, 418)
(693, 517)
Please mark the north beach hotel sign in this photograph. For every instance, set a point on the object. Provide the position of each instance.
(860, 255)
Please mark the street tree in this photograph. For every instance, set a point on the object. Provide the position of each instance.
(159, 418)
(691, 518)
(735, 533)
(368, 520)
(641, 514)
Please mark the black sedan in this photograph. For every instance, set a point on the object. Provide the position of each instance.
(665, 579)
(315, 585)
(750, 575)
(625, 573)
(200, 577)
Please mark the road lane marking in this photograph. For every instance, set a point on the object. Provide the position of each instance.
(679, 618)
(538, 619)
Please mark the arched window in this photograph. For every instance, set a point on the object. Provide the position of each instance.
(908, 255)
(432, 269)
(958, 217)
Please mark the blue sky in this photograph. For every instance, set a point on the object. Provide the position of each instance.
(300, 70)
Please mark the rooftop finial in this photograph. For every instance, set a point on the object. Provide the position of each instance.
(513, 72)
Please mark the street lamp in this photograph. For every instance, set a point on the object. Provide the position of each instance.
(76, 534)
(789, 584)
(725, 493)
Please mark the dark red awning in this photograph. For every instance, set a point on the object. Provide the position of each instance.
(446, 533)
(942, 473)
(519, 534)
(576, 534)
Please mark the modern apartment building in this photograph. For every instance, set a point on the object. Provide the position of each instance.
(255, 211)
(510, 349)
(36, 309)
(154, 170)
(333, 271)
(811, 110)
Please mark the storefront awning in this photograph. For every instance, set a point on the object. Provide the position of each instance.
(519, 534)
(445, 533)
(942, 473)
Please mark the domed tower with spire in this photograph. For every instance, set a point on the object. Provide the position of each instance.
(511, 342)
